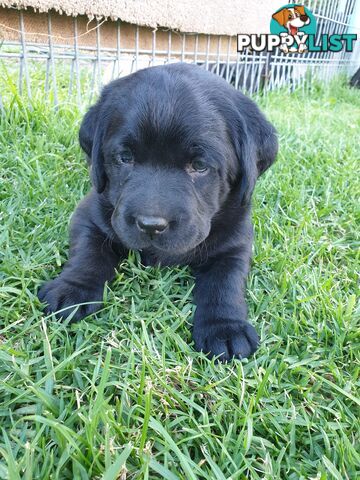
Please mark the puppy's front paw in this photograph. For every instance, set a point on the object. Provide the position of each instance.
(225, 339)
(284, 48)
(302, 48)
(62, 296)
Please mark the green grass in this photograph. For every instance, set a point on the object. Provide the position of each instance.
(123, 395)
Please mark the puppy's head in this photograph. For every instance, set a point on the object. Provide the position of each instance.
(169, 147)
(295, 17)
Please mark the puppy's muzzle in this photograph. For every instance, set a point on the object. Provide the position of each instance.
(151, 225)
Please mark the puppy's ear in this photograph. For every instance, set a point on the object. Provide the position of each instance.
(91, 139)
(281, 16)
(255, 142)
(300, 9)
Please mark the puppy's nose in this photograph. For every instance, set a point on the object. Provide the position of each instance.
(304, 18)
(151, 225)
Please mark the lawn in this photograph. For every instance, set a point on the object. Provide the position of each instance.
(123, 395)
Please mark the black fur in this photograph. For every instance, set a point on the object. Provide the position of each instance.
(169, 118)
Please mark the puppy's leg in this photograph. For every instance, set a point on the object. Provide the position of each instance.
(92, 262)
(220, 325)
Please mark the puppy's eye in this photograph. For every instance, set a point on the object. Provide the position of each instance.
(125, 156)
(199, 165)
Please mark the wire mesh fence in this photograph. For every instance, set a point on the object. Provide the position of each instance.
(73, 71)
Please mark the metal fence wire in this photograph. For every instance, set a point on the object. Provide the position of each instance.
(77, 72)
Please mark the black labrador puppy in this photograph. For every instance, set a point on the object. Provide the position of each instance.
(174, 153)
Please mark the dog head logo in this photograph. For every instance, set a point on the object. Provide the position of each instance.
(292, 18)
(294, 23)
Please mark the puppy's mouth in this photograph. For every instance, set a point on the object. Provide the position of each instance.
(168, 246)
(179, 242)
(177, 248)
